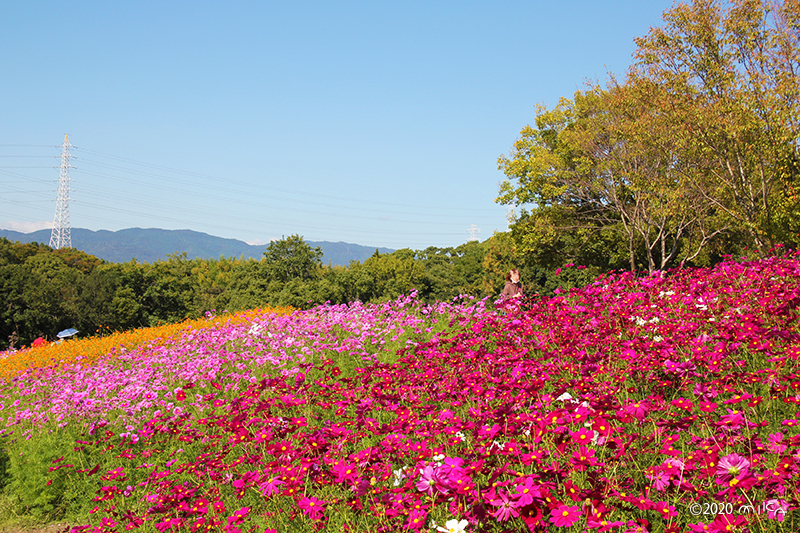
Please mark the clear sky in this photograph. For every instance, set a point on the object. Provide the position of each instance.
(376, 123)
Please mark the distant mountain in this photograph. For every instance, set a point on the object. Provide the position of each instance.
(149, 245)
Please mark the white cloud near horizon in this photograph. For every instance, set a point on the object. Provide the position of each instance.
(259, 242)
(26, 227)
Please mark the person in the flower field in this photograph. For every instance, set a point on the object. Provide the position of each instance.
(513, 287)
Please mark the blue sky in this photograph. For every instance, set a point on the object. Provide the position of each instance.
(377, 123)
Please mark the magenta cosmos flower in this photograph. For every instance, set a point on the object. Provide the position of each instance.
(565, 515)
(312, 507)
(506, 507)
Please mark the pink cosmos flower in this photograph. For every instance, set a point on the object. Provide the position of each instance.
(636, 527)
(583, 458)
(453, 462)
(732, 421)
(416, 519)
(486, 432)
(582, 436)
(565, 515)
(442, 479)
(603, 429)
(525, 492)
(683, 403)
(732, 466)
(107, 522)
(775, 445)
(263, 435)
(660, 480)
(238, 516)
(637, 410)
(168, 523)
(776, 509)
(506, 507)
(270, 486)
(200, 506)
(666, 509)
(707, 407)
(425, 482)
(704, 392)
(727, 522)
(682, 369)
(312, 507)
(460, 481)
(594, 522)
(345, 472)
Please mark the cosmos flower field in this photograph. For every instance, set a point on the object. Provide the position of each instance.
(653, 404)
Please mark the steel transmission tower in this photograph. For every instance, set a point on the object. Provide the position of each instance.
(60, 236)
(473, 233)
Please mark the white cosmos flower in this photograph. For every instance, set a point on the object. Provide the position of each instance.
(399, 475)
(454, 526)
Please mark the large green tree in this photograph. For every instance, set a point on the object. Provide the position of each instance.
(593, 188)
(49, 297)
(726, 77)
(292, 258)
(170, 290)
(697, 148)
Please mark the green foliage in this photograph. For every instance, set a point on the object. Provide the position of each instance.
(128, 312)
(49, 295)
(15, 253)
(543, 272)
(728, 74)
(696, 147)
(170, 291)
(213, 280)
(38, 486)
(291, 258)
(4, 465)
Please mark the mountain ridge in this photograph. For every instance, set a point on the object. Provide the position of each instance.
(148, 245)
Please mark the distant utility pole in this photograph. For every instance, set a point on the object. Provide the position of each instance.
(473, 233)
(60, 237)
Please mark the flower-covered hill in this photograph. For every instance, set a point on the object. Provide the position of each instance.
(663, 403)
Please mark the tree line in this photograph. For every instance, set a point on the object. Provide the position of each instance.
(44, 291)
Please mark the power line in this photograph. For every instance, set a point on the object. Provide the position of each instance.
(184, 200)
(228, 182)
(29, 145)
(249, 201)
